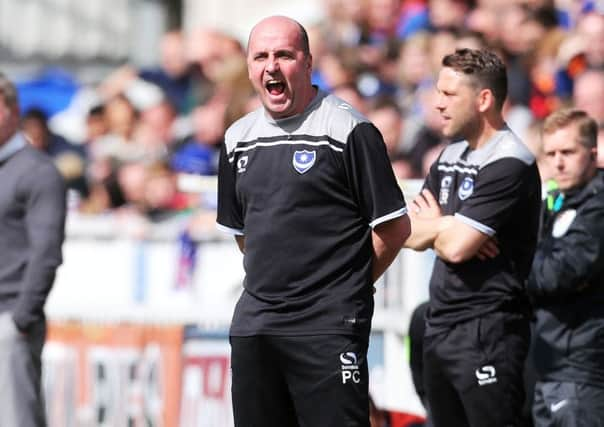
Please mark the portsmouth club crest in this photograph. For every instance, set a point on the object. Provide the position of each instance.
(466, 188)
(304, 160)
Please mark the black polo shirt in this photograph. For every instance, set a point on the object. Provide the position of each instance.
(495, 189)
(306, 191)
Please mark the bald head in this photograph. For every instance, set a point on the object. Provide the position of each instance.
(284, 20)
(280, 66)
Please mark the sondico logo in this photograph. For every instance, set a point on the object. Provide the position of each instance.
(350, 367)
(486, 375)
(242, 164)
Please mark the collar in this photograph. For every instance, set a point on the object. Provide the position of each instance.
(11, 146)
(578, 196)
(294, 119)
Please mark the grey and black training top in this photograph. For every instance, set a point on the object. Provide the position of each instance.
(495, 189)
(306, 191)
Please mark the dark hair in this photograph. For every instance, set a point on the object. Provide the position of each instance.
(304, 39)
(97, 110)
(8, 92)
(386, 103)
(36, 114)
(484, 69)
(587, 128)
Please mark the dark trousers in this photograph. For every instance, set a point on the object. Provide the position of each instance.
(300, 381)
(565, 404)
(474, 372)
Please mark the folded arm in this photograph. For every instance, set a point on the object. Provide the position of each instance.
(388, 239)
(453, 240)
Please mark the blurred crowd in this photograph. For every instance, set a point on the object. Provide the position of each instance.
(147, 135)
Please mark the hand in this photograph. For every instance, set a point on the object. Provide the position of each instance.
(488, 250)
(425, 206)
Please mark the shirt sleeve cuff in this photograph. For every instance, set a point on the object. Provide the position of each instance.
(229, 230)
(400, 212)
(475, 224)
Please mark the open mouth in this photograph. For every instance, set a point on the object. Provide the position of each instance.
(275, 87)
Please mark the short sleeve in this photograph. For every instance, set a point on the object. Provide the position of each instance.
(229, 213)
(371, 177)
(431, 182)
(494, 194)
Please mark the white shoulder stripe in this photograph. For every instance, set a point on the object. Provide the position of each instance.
(475, 224)
(400, 212)
(444, 168)
(275, 143)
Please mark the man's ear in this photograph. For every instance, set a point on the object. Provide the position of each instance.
(485, 100)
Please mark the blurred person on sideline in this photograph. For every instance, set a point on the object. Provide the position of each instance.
(479, 211)
(566, 284)
(306, 187)
(32, 221)
(415, 334)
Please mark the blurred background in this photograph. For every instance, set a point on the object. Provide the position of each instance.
(131, 99)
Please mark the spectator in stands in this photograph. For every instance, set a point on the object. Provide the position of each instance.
(69, 158)
(198, 153)
(428, 141)
(174, 74)
(35, 125)
(96, 123)
(162, 200)
(591, 28)
(448, 13)
(350, 93)
(381, 19)
(32, 221)
(566, 283)
(386, 115)
(336, 68)
(414, 70)
(588, 94)
(344, 23)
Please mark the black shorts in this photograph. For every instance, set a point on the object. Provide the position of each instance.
(300, 381)
(474, 372)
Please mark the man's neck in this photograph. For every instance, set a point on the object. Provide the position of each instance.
(485, 131)
(11, 145)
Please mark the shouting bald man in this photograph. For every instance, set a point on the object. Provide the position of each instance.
(306, 187)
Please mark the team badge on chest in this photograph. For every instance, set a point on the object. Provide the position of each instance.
(466, 188)
(304, 160)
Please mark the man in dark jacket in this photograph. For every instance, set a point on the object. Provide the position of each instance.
(567, 279)
(32, 218)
